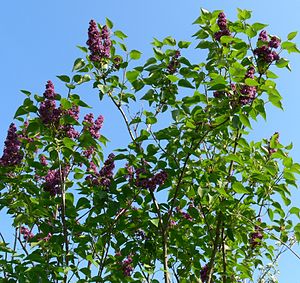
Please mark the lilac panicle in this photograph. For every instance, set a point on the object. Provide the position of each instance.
(99, 43)
(12, 154)
(48, 111)
(49, 92)
(222, 23)
(263, 36)
(93, 127)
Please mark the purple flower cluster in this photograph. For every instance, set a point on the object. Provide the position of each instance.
(93, 126)
(47, 238)
(49, 92)
(68, 130)
(151, 182)
(174, 63)
(43, 160)
(88, 153)
(222, 23)
(48, 111)
(105, 175)
(184, 214)
(203, 273)
(27, 234)
(52, 182)
(256, 237)
(12, 154)
(99, 43)
(106, 172)
(248, 93)
(127, 267)
(265, 52)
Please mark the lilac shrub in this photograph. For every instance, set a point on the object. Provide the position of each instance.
(184, 199)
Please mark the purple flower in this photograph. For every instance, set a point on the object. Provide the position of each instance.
(27, 234)
(203, 273)
(174, 63)
(89, 152)
(106, 172)
(222, 23)
(99, 43)
(265, 53)
(12, 154)
(53, 180)
(127, 267)
(49, 92)
(93, 127)
(43, 160)
(274, 42)
(48, 112)
(263, 36)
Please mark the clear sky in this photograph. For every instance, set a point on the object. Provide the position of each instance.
(38, 40)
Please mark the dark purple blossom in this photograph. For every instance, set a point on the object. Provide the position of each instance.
(174, 63)
(106, 172)
(43, 160)
(203, 273)
(27, 234)
(127, 267)
(248, 93)
(12, 154)
(222, 23)
(149, 182)
(93, 126)
(89, 152)
(53, 180)
(274, 42)
(105, 175)
(265, 53)
(49, 114)
(99, 43)
(49, 92)
(263, 36)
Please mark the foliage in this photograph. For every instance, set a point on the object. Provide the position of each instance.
(191, 200)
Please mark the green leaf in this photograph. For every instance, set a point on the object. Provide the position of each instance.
(292, 35)
(258, 26)
(245, 120)
(123, 46)
(184, 44)
(172, 78)
(169, 41)
(154, 221)
(239, 188)
(244, 14)
(83, 48)
(78, 64)
(120, 34)
(64, 78)
(69, 143)
(282, 62)
(159, 55)
(26, 92)
(132, 75)
(135, 54)
(109, 23)
(185, 83)
(65, 103)
(290, 47)
(251, 82)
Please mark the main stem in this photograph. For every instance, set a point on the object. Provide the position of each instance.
(63, 216)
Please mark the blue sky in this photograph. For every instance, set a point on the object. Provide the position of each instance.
(38, 40)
